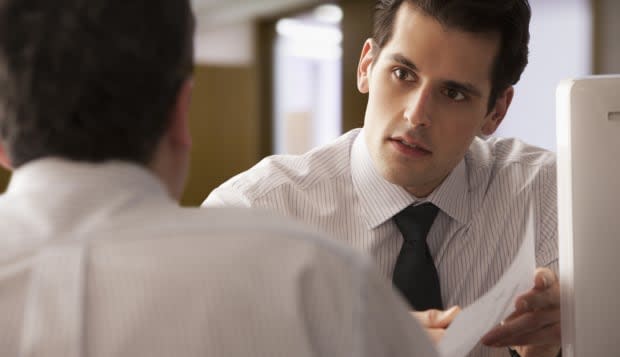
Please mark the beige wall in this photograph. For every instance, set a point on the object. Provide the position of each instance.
(4, 179)
(224, 120)
(356, 28)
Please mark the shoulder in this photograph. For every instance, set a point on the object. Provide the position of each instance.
(291, 172)
(500, 168)
(253, 236)
(505, 152)
(20, 227)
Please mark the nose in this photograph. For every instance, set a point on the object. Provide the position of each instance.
(418, 105)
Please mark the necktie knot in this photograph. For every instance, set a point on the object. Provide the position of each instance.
(414, 222)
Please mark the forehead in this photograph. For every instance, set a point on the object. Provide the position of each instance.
(444, 52)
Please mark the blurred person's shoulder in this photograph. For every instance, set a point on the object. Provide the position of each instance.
(229, 234)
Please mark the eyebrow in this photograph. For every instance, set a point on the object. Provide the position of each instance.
(460, 86)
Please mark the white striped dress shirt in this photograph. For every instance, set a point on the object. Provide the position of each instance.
(97, 260)
(483, 206)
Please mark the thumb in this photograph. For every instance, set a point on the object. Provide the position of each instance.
(445, 318)
(436, 318)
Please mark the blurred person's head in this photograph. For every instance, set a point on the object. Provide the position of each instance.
(97, 80)
(438, 73)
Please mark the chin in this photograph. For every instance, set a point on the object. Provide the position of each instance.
(394, 176)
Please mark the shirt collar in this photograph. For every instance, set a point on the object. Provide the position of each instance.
(452, 196)
(380, 200)
(94, 180)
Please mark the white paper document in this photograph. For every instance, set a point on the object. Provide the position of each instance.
(494, 306)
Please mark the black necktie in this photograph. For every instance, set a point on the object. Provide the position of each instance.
(415, 274)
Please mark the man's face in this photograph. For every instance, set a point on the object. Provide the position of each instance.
(428, 95)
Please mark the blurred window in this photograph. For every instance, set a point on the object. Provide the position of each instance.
(308, 80)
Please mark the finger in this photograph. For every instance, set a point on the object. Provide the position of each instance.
(448, 316)
(514, 315)
(509, 319)
(427, 318)
(544, 278)
(522, 325)
(544, 295)
(550, 335)
(436, 318)
(539, 299)
(528, 323)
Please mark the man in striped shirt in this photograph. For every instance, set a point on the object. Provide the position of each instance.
(438, 74)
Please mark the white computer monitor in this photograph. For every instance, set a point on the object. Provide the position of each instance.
(588, 148)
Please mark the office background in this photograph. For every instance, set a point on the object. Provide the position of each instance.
(278, 76)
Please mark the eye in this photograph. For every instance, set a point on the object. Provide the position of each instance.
(454, 94)
(403, 75)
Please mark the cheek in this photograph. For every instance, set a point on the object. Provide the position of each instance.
(383, 90)
(462, 118)
(387, 101)
(454, 134)
(380, 109)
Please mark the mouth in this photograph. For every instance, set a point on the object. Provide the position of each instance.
(410, 148)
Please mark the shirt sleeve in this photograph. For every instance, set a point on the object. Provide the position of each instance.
(547, 244)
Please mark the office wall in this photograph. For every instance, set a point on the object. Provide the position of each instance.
(560, 48)
(356, 28)
(223, 120)
(4, 179)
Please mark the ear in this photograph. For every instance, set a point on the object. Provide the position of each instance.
(365, 65)
(179, 132)
(4, 158)
(497, 114)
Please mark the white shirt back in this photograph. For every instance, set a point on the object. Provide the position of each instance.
(97, 260)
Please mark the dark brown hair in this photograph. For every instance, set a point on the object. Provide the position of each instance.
(510, 18)
(90, 80)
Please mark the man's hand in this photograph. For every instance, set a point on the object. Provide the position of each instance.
(534, 327)
(436, 321)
